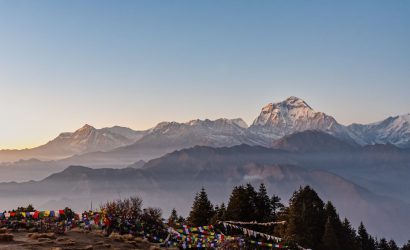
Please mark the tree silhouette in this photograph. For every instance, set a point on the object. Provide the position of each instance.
(366, 241)
(263, 212)
(330, 237)
(202, 210)
(306, 218)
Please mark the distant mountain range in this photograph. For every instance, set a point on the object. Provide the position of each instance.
(170, 181)
(121, 146)
(394, 130)
(364, 169)
(84, 140)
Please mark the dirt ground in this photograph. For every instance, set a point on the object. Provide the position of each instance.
(75, 240)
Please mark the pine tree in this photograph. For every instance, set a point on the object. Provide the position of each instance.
(252, 199)
(219, 213)
(241, 205)
(393, 245)
(181, 220)
(173, 218)
(331, 213)
(277, 206)
(202, 210)
(306, 218)
(330, 237)
(406, 246)
(366, 241)
(263, 204)
(333, 235)
(382, 244)
(349, 237)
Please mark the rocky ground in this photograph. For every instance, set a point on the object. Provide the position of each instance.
(72, 240)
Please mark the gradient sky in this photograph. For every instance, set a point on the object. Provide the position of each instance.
(136, 63)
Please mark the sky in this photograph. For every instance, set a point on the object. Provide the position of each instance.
(137, 63)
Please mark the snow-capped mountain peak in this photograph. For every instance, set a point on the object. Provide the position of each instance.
(84, 132)
(85, 128)
(294, 115)
(290, 110)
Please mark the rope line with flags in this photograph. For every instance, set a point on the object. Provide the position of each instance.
(177, 235)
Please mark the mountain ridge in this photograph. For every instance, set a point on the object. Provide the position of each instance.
(219, 169)
(84, 140)
(119, 146)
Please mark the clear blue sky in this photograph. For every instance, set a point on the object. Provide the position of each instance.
(136, 63)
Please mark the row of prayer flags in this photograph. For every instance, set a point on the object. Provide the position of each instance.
(34, 215)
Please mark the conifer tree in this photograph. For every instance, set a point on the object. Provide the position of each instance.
(219, 213)
(173, 218)
(383, 245)
(349, 237)
(306, 214)
(277, 206)
(330, 237)
(263, 204)
(202, 210)
(252, 199)
(241, 204)
(406, 246)
(331, 214)
(336, 224)
(393, 245)
(181, 220)
(366, 241)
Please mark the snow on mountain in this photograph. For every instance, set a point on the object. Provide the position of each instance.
(89, 139)
(394, 130)
(219, 133)
(275, 121)
(294, 115)
(84, 140)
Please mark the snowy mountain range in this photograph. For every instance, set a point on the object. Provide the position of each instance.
(292, 115)
(84, 140)
(287, 145)
(275, 121)
(393, 130)
(218, 133)
(89, 139)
